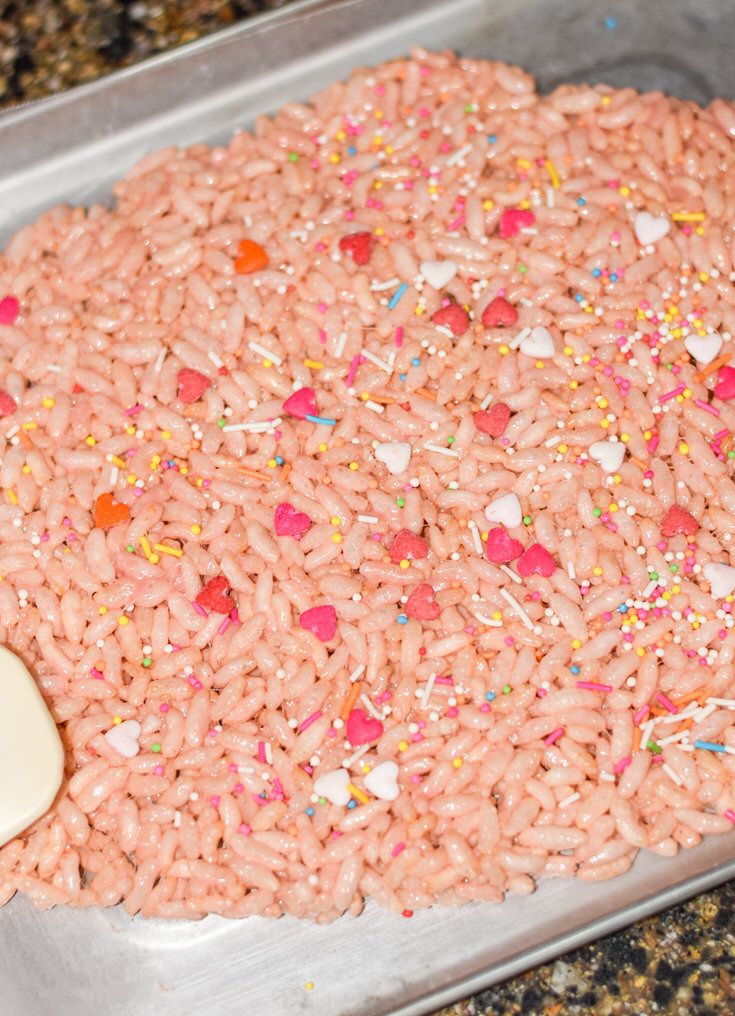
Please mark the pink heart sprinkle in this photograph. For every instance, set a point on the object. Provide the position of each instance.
(406, 544)
(302, 403)
(453, 317)
(192, 384)
(725, 387)
(421, 604)
(213, 596)
(7, 404)
(322, 621)
(536, 559)
(358, 245)
(288, 521)
(493, 421)
(678, 520)
(9, 307)
(499, 314)
(361, 728)
(501, 548)
(513, 220)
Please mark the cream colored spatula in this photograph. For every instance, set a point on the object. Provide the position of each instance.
(31, 755)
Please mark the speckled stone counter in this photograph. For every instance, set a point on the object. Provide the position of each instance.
(681, 963)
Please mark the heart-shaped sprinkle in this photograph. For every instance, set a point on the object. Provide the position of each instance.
(302, 404)
(395, 455)
(333, 786)
(361, 728)
(7, 404)
(438, 273)
(678, 520)
(252, 257)
(9, 307)
(608, 454)
(322, 621)
(649, 229)
(493, 421)
(721, 578)
(501, 548)
(214, 595)
(453, 317)
(538, 344)
(288, 521)
(406, 544)
(382, 781)
(192, 384)
(123, 738)
(513, 220)
(725, 387)
(499, 314)
(506, 510)
(704, 348)
(358, 245)
(421, 604)
(536, 560)
(108, 512)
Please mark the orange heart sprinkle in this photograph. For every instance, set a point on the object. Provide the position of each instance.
(108, 512)
(252, 257)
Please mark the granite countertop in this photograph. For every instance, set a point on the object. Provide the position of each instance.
(680, 963)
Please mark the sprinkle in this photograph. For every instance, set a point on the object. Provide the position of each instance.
(457, 223)
(713, 367)
(159, 361)
(146, 547)
(370, 707)
(255, 426)
(261, 752)
(569, 800)
(553, 175)
(133, 410)
(117, 461)
(442, 451)
(356, 360)
(397, 295)
(368, 518)
(594, 686)
(350, 700)
(455, 157)
(267, 353)
(472, 526)
(671, 394)
(378, 287)
(215, 358)
(489, 621)
(309, 720)
(400, 847)
(728, 703)
(377, 361)
(246, 471)
(622, 764)
(672, 774)
(341, 343)
(359, 794)
(520, 337)
(642, 713)
(713, 410)
(376, 407)
(644, 733)
(399, 336)
(653, 747)
(687, 216)
(362, 750)
(199, 608)
(357, 672)
(486, 401)
(571, 570)
(553, 736)
(224, 626)
(11, 495)
(427, 691)
(730, 814)
(667, 703)
(709, 746)
(517, 607)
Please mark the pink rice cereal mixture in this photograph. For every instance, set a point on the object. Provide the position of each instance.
(368, 502)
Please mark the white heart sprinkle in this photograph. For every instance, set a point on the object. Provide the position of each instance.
(648, 229)
(608, 454)
(124, 738)
(721, 578)
(704, 348)
(382, 781)
(395, 454)
(333, 786)
(539, 343)
(506, 510)
(438, 273)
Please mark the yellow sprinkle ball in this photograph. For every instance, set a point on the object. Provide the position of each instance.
(26, 469)
(405, 564)
(267, 363)
(597, 570)
(131, 478)
(563, 448)
(272, 463)
(336, 520)
(640, 652)
(625, 438)
(503, 350)
(574, 385)
(196, 530)
(365, 396)
(402, 745)
(130, 430)
(336, 538)
(117, 720)
(568, 351)
(102, 610)
(48, 403)
(540, 363)
(354, 465)
(487, 205)
(684, 448)
(456, 762)
(604, 424)
(576, 644)
(166, 434)
(123, 620)
(497, 616)
(90, 440)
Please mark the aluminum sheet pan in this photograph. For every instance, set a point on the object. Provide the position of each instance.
(71, 147)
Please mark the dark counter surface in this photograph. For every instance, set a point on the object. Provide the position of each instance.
(680, 963)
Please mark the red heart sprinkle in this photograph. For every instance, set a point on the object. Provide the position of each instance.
(288, 521)
(678, 520)
(725, 387)
(499, 313)
(358, 245)
(421, 604)
(8, 310)
(361, 728)
(501, 548)
(108, 512)
(406, 544)
(453, 317)
(7, 404)
(536, 559)
(213, 596)
(192, 384)
(493, 421)
(513, 220)
(302, 403)
(322, 621)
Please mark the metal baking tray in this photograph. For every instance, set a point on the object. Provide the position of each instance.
(71, 148)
